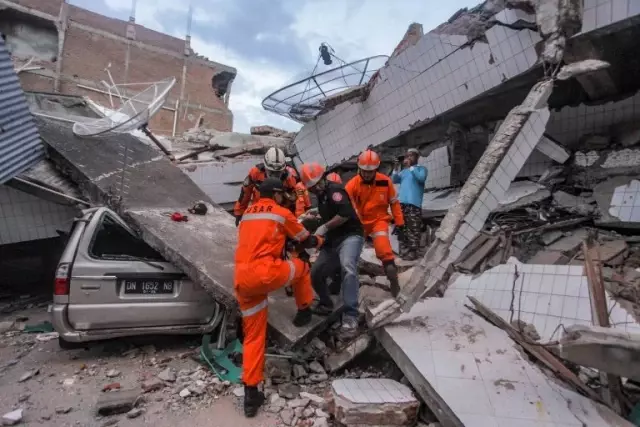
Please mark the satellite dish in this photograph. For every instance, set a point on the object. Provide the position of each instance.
(303, 100)
(133, 113)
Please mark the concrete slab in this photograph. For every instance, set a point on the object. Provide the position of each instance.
(203, 247)
(470, 373)
(618, 201)
(569, 243)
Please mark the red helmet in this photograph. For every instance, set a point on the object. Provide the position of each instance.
(368, 160)
(334, 177)
(311, 173)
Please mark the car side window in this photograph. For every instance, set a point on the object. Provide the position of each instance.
(113, 241)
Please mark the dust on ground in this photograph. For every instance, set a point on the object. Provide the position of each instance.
(64, 385)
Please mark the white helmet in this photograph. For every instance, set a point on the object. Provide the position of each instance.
(274, 160)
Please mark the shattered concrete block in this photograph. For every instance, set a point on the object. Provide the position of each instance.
(278, 370)
(581, 68)
(627, 157)
(569, 243)
(117, 402)
(373, 402)
(609, 350)
(336, 361)
(618, 199)
(586, 159)
(12, 418)
(553, 150)
(576, 204)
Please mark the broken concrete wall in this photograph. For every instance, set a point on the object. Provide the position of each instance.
(29, 36)
(407, 94)
(221, 180)
(575, 127)
(435, 75)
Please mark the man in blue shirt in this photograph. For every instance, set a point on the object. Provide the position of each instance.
(411, 180)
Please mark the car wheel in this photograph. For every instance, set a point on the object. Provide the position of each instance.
(67, 345)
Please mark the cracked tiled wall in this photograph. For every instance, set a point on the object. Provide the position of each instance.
(435, 75)
(600, 13)
(547, 296)
(24, 217)
(496, 187)
(438, 167)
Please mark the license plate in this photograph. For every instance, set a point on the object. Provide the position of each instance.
(148, 286)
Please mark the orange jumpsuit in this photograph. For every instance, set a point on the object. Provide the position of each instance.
(372, 204)
(260, 269)
(303, 202)
(249, 193)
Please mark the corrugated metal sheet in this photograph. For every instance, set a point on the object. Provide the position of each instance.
(20, 144)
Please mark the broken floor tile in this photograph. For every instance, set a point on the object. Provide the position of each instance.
(373, 402)
(474, 368)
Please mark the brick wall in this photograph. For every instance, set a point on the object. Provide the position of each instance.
(88, 51)
(52, 7)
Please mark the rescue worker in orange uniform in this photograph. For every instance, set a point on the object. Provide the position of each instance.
(274, 165)
(372, 193)
(303, 202)
(260, 269)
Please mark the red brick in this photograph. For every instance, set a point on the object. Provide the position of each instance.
(52, 7)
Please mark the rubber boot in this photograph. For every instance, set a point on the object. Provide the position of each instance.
(253, 400)
(391, 271)
(303, 317)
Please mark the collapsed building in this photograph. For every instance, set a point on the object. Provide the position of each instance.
(526, 116)
(541, 179)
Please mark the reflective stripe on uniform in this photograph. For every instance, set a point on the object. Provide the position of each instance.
(292, 272)
(395, 199)
(269, 216)
(255, 309)
(379, 233)
(301, 235)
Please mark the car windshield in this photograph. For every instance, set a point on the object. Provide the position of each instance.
(113, 241)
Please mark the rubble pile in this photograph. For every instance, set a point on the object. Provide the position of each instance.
(201, 144)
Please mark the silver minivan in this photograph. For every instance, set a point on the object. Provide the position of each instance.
(110, 283)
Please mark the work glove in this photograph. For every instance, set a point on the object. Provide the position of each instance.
(321, 231)
(238, 218)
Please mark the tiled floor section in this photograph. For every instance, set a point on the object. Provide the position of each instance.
(476, 370)
(547, 296)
